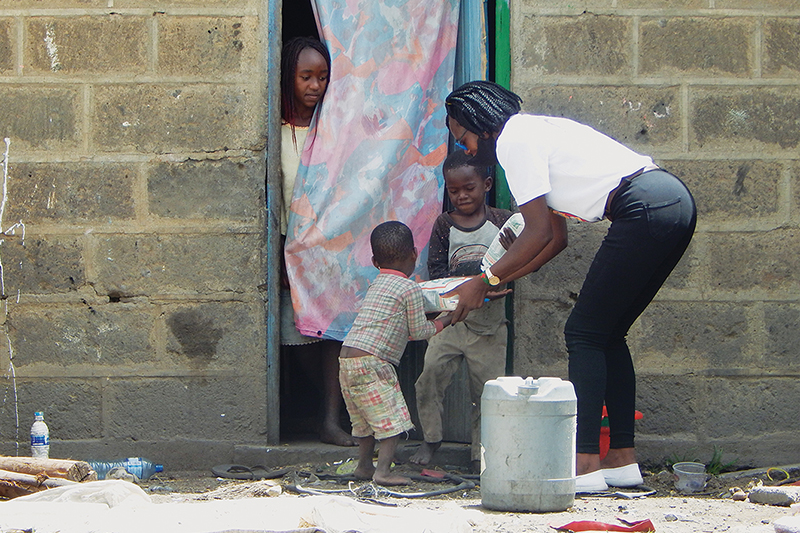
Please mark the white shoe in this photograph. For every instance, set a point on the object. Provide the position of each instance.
(623, 476)
(591, 482)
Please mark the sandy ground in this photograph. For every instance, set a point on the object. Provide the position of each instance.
(713, 510)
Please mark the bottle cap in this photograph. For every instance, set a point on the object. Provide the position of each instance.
(159, 468)
(38, 414)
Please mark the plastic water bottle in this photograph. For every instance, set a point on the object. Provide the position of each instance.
(141, 468)
(40, 437)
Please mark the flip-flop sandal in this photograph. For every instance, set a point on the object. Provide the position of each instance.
(230, 471)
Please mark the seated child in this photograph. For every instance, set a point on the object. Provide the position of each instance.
(391, 314)
(458, 243)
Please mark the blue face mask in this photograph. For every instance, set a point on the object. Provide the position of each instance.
(458, 143)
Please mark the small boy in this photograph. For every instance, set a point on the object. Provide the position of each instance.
(458, 242)
(391, 314)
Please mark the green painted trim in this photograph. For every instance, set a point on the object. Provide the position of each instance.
(502, 75)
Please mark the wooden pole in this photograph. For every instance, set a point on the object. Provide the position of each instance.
(51, 468)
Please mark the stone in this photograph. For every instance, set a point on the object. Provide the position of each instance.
(782, 496)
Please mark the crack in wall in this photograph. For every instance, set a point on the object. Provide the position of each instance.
(11, 373)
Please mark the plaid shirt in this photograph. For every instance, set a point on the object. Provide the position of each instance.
(391, 315)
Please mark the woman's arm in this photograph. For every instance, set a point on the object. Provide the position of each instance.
(523, 255)
(553, 248)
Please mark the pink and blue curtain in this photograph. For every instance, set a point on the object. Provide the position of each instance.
(374, 152)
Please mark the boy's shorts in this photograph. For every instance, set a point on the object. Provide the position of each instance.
(373, 398)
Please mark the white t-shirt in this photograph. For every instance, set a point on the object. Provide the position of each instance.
(571, 164)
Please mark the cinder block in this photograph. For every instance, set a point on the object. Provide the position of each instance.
(82, 339)
(731, 190)
(40, 4)
(218, 189)
(659, 4)
(39, 118)
(756, 7)
(130, 265)
(684, 275)
(88, 44)
(208, 408)
(216, 336)
(577, 7)
(70, 193)
(781, 48)
(698, 46)
(6, 46)
(589, 45)
(539, 348)
(642, 118)
(669, 403)
(795, 187)
(40, 265)
(164, 118)
(72, 409)
(766, 261)
(690, 337)
(748, 407)
(736, 119)
(182, 3)
(202, 46)
(783, 336)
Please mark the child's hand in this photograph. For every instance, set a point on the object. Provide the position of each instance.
(446, 318)
(496, 295)
(507, 238)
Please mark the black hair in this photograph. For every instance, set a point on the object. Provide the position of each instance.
(459, 159)
(289, 57)
(482, 106)
(391, 242)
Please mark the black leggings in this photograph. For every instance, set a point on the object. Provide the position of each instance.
(653, 221)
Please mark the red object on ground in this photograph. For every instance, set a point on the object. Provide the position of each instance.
(605, 439)
(643, 526)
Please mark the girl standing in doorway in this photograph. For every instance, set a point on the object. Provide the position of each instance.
(305, 68)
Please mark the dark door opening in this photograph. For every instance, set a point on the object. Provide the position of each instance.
(298, 20)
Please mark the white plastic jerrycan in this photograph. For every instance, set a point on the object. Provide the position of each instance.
(528, 444)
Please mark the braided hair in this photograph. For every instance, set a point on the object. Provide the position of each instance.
(391, 242)
(482, 106)
(289, 59)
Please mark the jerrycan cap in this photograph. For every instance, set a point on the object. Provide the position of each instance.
(529, 387)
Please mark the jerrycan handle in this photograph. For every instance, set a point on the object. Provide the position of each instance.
(528, 388)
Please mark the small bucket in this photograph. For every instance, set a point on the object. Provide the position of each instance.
(690, 477)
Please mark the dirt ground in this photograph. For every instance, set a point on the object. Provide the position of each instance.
(713, 510)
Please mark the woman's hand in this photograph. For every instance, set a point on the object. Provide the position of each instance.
(507, 238)
(471, 295)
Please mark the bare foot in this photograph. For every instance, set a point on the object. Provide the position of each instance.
(425, 453)
(365, 473)
(391, 480)
(336, 436)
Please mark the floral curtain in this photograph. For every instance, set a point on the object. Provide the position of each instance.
(374, 152)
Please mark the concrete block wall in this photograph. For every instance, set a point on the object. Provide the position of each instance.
(710, 89)
(134, 222)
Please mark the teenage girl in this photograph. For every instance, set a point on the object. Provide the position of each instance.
(305, 68)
